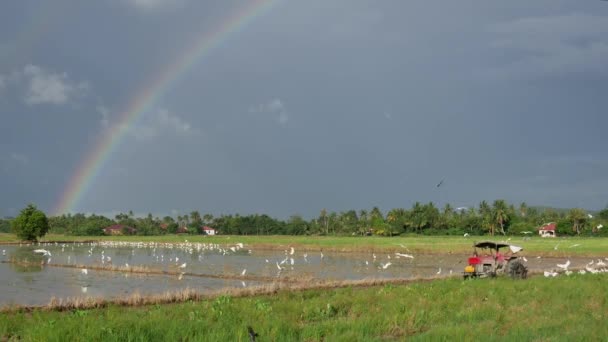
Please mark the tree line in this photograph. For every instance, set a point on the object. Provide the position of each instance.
(496, 218)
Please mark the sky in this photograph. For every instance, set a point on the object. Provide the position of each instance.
(296, 106)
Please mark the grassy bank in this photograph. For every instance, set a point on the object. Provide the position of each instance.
(571, 246)
(564, 308)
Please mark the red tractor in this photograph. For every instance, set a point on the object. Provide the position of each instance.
(489, 261)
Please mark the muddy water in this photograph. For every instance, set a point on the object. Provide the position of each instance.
(35, 285)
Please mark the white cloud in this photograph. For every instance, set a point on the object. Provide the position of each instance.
(19, 158)
(274, 107)
(574, 43)
(105, 115)
(154, 4)
(48, 87)
(13, 161)
(162, 122)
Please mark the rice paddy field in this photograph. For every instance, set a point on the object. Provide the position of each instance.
(335, 301)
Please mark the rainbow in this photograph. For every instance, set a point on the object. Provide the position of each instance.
(109, 140)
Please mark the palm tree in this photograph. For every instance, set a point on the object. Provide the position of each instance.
(486, 216)
(523, 209)
(500, 214)
(323, 220)
(578, 217)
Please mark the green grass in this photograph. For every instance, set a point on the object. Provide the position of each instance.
(557, 309)
(589, 246)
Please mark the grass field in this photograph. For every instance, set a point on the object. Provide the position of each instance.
(570, 246)
(538, 309)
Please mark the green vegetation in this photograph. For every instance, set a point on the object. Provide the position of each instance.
(498, 218)
(558, 309)
(30, 224)
(570, 246)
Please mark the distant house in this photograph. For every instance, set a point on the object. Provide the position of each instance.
(208, 230)
(548, 230)
(182, 230)
(119, 229)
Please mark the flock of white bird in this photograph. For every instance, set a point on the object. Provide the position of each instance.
(592, 267)
(159, 248)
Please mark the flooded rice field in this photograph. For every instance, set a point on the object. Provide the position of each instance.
(33, 274)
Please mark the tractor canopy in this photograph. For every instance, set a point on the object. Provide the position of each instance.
(497, 246)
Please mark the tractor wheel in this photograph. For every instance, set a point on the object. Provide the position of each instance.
(518, 270)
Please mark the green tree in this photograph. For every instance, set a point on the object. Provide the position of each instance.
(485, 211)
(577, 217)
(196, 219)
(603, 214)
(30, 224)
(523, 209)
(500, 213)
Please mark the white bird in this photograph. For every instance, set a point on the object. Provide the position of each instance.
(84, 271)
(550, 273)
(126, 265)
(279, 266)
(291, 261)
(240, 245)
(405, 255)
(591, 270)
(182, 265)
(266, 260)
(466, 234)
(568, 272)
(555, 248)
(589, 216)
(527, 232)
(385, 266)
(564, 266)
(439, 272)
(575, 245)
(292, 251)
(600, 263)
(322, 255)
(582, 272)
(526, 260)
(244, 271)
(181, 275)
(42, 251)
(4, 252)
(600, 226)
(233, 249)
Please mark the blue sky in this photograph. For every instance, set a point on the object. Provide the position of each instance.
(316, 104)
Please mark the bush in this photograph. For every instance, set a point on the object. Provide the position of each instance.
(564, 228)
(30, 224)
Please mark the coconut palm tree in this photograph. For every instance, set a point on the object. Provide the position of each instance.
(500, 214)
(485, 211)
(523, 209)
